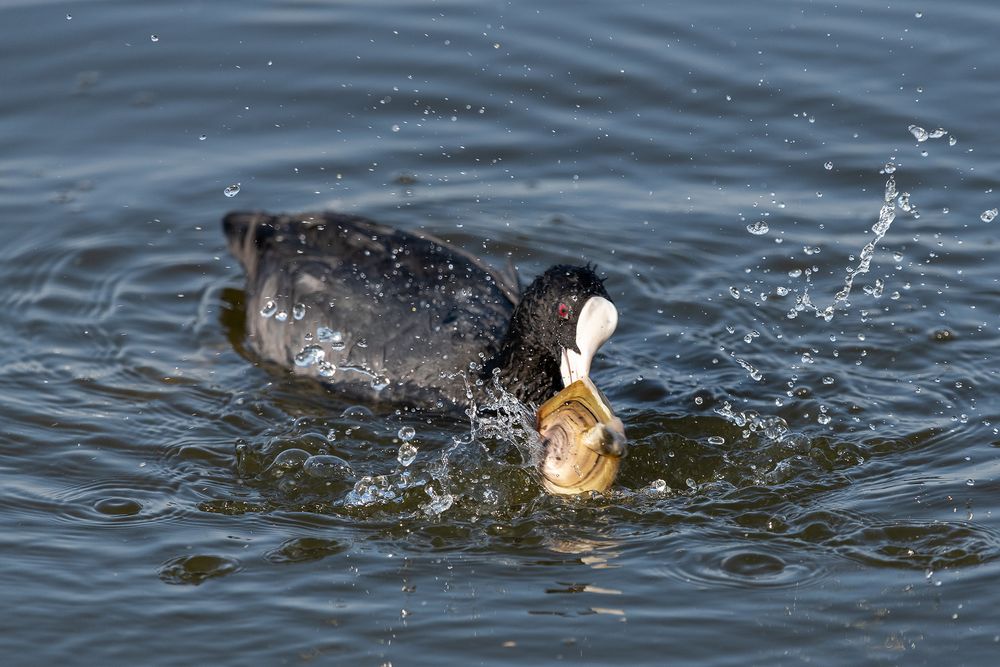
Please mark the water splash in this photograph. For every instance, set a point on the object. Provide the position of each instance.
(407, 454)
(887, 214)
(439, 503)
(749, 368)
(310, 355)
(885, 218)
(334, 338)
(771, 427)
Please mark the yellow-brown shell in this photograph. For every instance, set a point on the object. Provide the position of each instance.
(584, 441)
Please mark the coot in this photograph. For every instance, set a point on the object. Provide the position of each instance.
(381, 313)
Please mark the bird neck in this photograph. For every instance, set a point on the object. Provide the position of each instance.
(531, 374)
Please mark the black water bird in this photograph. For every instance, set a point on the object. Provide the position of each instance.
(380, 313)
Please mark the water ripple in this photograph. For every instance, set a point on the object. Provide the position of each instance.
(117, 503)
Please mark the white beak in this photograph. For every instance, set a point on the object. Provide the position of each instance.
(597, 322)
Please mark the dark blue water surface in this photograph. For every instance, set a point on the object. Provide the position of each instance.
(800, 489)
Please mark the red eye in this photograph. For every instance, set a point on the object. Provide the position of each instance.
(564, 311)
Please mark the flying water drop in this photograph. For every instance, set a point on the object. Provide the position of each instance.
(407, 454)
(232, 190)
(919, 133)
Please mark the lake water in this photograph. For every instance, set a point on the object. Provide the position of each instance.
(800, 488)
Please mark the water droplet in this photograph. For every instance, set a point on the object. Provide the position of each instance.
(407, 433)
(952, 141)
(232, 190)
(299, 311)
(919, 15)
(281, 316)
(326, 334)
(919, 133)
(988, 215)
(334, 338)
(970, 482)
(781, 291)
(154, 38)
(202, 137)
(716, 440)
(395, 128)
(326, 369)
(269, 308)
(380, 382)
(828, 380)
(889, 168)
(309, 356)
(758, 228)
(937, 134)
(733, 292)
(698, 400)
(828, 166)
(69, 17)
(823, 418)
(406, 454)
(658, 486)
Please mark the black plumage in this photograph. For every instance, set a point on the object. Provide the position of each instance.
(377, 312)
